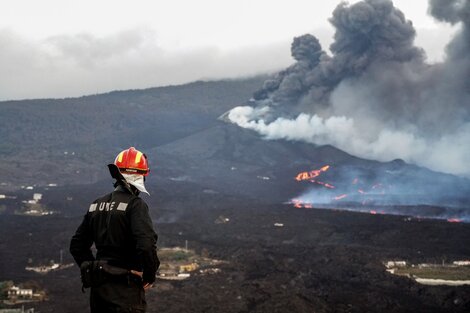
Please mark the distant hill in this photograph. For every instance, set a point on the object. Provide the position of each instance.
(195, 155)
(65, 140)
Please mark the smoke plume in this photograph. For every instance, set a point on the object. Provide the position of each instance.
(374, 95)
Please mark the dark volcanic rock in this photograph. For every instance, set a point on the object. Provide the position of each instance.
(320, 261)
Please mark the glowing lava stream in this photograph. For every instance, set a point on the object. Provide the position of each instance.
(312, 176)
(362, 191)
(340, 196)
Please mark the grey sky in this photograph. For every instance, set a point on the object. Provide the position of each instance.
(55, 48)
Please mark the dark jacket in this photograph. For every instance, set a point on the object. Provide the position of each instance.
(120, 227)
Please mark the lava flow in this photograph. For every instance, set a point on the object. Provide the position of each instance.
(313, 175)
(357, 195)
(340, 197)
(299, 204)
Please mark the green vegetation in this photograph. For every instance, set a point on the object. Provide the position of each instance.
(437, 272)
(175, 255)
(66, 140)
(4, 286)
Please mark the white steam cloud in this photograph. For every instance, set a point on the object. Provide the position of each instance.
(449, 153)
(375, 96)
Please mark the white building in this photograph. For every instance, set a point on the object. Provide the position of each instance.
(391, 264)
(19, 293)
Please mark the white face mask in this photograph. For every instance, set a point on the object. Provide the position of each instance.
(137, 181)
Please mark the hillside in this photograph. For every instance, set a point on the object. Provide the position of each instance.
(65, 140)
(68, 142)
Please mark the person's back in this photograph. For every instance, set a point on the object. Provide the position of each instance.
(120, 227)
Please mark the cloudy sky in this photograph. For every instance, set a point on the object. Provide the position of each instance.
(63, 48)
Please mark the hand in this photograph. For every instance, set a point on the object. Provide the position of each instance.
(140, 274)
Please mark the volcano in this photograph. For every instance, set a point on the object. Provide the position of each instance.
(230, 160)
(204, 170)
(190, 145)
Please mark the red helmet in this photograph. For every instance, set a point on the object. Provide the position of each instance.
(132, 161)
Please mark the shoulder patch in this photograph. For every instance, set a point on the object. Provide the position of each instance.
(92, 207)
(122, 206)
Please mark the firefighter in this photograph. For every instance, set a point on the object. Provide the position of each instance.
(119, 226)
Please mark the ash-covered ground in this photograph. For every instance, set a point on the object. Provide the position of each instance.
(319, 261)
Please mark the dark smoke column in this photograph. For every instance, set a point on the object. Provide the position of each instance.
(374, 96)
(455, 11)
(289, 85)
(454, 76)
(367, 32)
